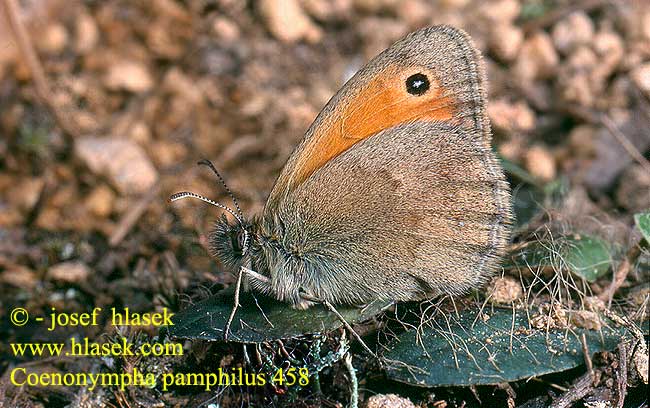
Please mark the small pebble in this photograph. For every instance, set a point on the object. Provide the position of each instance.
(24, 192)
(122, 161)
(376, 6)
(71, 272)
(511, 117)
(454, 4)
(87, 33)
(53, 39)
(641, 78)
(129, 76)
(288, 22)
(388, 401)
(586, 319)
(140, 133)
(225, 29)
(19, 276)
(502, 11)
(100, 201)
(633, 192)
(414, 12)
(581, 140)
(505, 290)
(505, 41)
(610, 49)
(540, 163)
(537, 58)
(574, 30)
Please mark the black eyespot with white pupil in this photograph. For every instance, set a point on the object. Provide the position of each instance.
(417, 84)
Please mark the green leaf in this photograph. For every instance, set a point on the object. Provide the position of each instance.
(642, 221)
(465, 350)
(527, 201)
(518, 172)
(530, 195)
(585, 256)
(261, 318)
(533, 9)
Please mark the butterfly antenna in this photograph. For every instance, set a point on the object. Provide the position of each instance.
(186, 194)
(206, 162)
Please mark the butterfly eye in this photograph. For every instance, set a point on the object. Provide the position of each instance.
(237, 239)
(417, 84)
(241, 240)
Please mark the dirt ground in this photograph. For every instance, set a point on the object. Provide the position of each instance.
(144, 89)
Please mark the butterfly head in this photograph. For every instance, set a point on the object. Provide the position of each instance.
(230, 242)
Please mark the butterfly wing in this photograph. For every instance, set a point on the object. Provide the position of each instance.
(376, 99)
(417, 208)
(394, 194)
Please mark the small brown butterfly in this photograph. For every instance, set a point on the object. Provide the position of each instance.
(394, 193)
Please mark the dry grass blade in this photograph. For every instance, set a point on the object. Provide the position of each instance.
(580, 389)
(132, 216)
(621, 272)
(12, 13)
(620, 137)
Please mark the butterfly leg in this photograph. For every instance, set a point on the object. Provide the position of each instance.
(255, 275)
(258, 281)
(226, 329)
(347, 325)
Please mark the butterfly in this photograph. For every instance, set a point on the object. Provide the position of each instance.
(393, 193)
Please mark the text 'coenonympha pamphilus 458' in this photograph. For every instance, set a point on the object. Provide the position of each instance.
(394, 192)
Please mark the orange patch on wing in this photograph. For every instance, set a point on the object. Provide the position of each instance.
(382, 104)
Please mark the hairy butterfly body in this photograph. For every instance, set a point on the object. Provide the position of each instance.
(394, 193)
